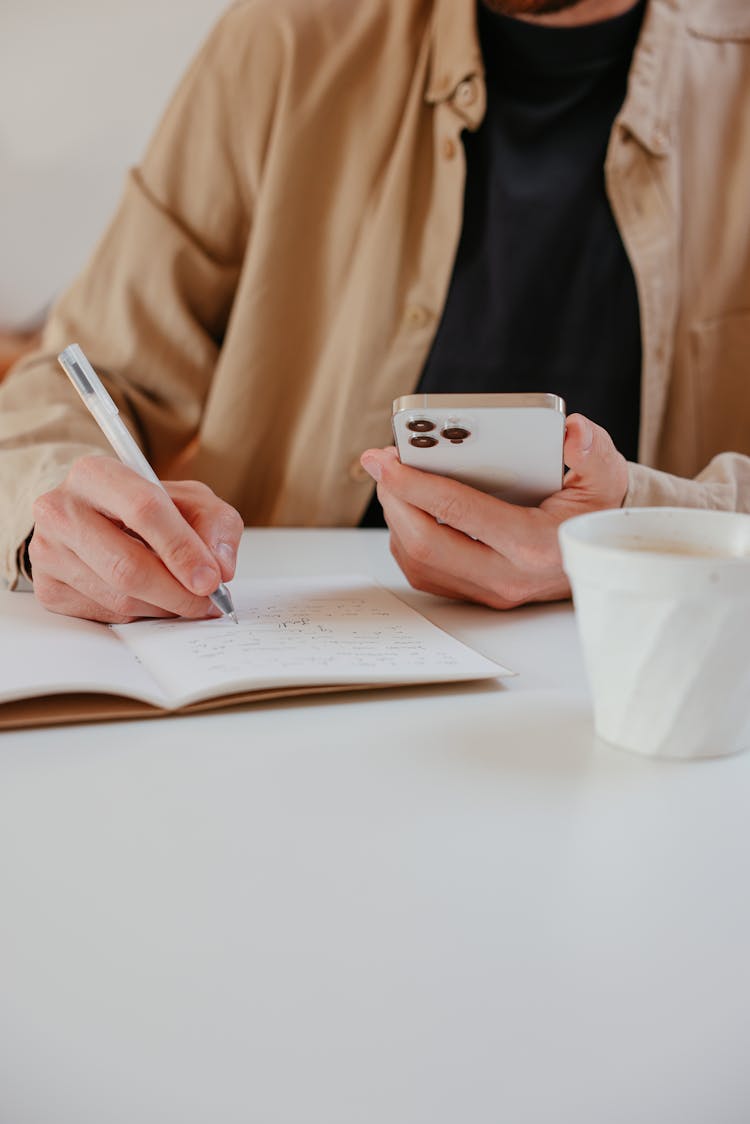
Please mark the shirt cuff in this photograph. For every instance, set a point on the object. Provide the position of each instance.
(649, 487)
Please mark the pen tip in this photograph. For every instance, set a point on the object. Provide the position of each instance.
(234, 617)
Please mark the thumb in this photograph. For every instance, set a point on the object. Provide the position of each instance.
(594, 464)
(579, 442)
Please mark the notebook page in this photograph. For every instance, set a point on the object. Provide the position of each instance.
(302, 632)
(43, 653)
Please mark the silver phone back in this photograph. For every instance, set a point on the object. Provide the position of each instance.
(512, 448)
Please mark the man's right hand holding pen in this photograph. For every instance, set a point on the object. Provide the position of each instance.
(110, 546)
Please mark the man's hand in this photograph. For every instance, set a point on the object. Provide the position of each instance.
(454, 541)
(110, 546)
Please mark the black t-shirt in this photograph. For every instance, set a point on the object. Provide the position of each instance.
(542, 296)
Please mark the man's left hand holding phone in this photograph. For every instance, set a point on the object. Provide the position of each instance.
(454, 541)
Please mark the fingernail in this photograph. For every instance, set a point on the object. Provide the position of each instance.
(372, 466)
(588, 438)
(226, 554)
(203, 580)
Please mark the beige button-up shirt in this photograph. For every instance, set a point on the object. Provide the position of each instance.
(278, 265)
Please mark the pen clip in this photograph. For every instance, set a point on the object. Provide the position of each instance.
(84, 377)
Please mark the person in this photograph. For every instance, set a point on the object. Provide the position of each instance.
(344, 202)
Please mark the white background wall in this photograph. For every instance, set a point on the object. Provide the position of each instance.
(82, 83)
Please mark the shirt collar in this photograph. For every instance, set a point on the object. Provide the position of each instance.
(456, 55)
(651, 104)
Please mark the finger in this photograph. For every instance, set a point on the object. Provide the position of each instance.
(438, 558)
(122, 562)
(425, 578)
(57, 597)
(120, 494)
(219, 525)
(72, 573)
(595, 466)
(64, 521)
(466, 509)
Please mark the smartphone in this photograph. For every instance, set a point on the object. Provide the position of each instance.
(510, 445)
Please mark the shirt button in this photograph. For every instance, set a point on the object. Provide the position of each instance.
(449, 148)
(467, 92)
(358, 474)
(416, 316)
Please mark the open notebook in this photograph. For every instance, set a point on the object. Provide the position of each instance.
(294, 636)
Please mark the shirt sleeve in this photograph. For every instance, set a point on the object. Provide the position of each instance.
(724, 485)
(151, 307)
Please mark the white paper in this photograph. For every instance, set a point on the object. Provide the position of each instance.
(42, 653)
(302, 632)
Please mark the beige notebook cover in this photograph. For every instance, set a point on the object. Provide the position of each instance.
(295, 636)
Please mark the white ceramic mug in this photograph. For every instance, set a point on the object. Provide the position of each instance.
(662, 600)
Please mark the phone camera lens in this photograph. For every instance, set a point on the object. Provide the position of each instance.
(455, 433)
(420, 425)
(423, 441)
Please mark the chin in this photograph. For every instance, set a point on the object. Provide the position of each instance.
(529, 7)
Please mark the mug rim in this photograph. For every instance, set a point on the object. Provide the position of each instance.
(573, 531)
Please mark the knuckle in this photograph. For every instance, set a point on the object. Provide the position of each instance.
(417, 580)
(509, 592)
(414, 573)
(603, 437)
(122, 606)
(84, 469)
(145, 506)
(401, 557)
(46, 507)
(418, 549)
(515, 591)
(180, 555)
(235, 523)
(385, 479)
(44, 590)
(393, 474)
(229, 526)
(382, 493)
(40, 553)
(194, 488)
(109, 615)
(202, 490)
(123, 572)
(606, 448)
(501, 603)
(91, 463)
(450, 509)
(194, 493)
(191, 606)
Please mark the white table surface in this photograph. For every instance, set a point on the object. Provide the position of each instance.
(439, 905)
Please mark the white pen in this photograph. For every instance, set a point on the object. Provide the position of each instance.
(107, 416)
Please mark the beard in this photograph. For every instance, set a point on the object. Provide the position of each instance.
(528, 7)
